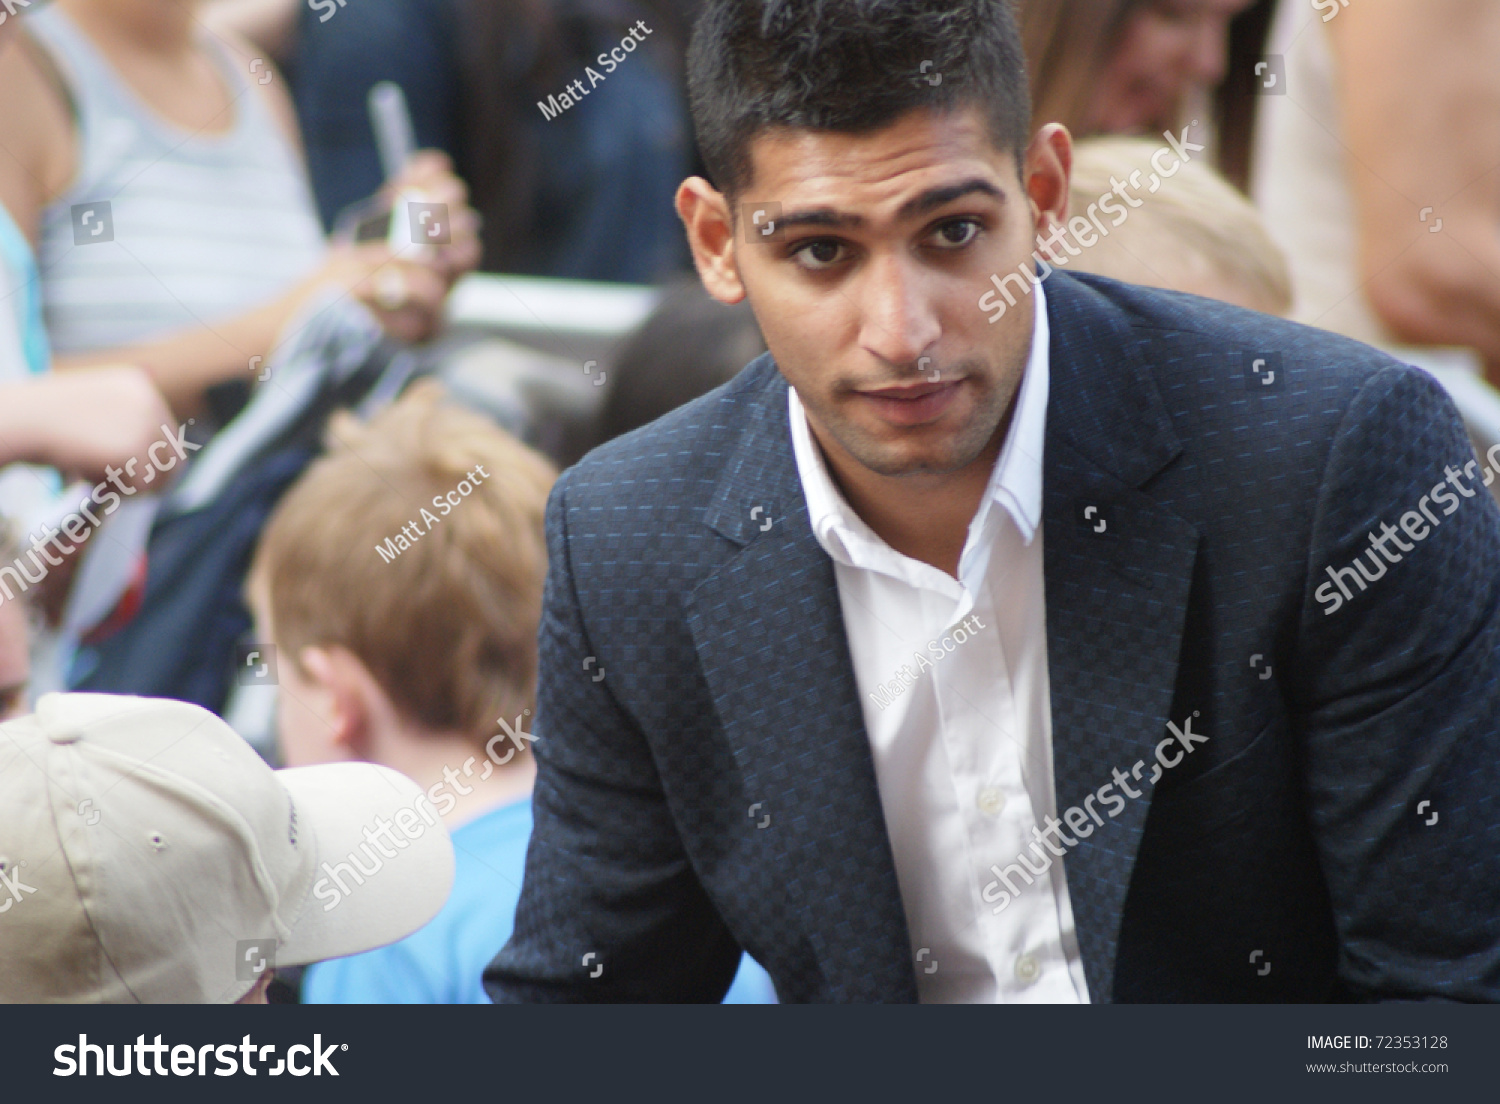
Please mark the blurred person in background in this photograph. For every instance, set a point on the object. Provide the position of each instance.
(1129, 66)
(1196, 233)
(157, 168)
(54, 427)
(400, 582)
(77, 424)
(586, 194)
(1376, 170)
(690, 344)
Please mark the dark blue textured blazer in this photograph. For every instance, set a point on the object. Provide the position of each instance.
(694, 665)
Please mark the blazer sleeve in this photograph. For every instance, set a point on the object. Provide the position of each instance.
(1400, 696)
(610, 908)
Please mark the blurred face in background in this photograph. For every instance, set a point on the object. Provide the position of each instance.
(1167, 51)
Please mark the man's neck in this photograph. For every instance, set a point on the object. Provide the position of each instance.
(925, 517)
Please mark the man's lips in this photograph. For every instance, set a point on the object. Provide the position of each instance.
(908, 391)
(912, 404)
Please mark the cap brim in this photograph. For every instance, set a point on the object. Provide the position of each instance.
(350, 908)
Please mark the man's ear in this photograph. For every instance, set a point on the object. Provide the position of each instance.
(1049, 169)
(343, 679)
(710, 229)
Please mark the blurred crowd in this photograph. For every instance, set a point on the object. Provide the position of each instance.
(206, 256)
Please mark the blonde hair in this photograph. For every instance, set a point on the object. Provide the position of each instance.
(1196, 233)
(447, 624)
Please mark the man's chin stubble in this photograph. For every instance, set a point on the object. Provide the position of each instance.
(880, 460)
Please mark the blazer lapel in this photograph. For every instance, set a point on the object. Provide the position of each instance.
(1118, 570)
(770, 635)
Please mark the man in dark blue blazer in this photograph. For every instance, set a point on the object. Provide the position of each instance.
(1272, 591)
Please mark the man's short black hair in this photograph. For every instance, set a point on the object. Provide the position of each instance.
(850, 66)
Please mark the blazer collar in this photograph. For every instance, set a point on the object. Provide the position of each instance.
(761, 471)
(1104, 398)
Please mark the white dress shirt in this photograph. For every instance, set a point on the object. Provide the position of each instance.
(962, 744)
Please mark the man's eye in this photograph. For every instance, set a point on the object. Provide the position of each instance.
(818, 254)
(959, 232)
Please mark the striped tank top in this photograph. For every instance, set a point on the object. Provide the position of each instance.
(162, 229)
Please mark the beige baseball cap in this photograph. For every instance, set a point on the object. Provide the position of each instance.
(148, 854)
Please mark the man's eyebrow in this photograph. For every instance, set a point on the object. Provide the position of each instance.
(934, 198)
(930, 200)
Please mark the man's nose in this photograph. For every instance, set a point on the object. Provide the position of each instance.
(898, 320)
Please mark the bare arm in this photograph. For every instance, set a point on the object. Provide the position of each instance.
(36, 135)
(37, 165)
(185, 365)
(1420, 90)
(82, 422)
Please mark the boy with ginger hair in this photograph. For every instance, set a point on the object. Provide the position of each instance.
(401, 582)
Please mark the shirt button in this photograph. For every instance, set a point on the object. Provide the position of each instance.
(991, 801)
(1027, 969)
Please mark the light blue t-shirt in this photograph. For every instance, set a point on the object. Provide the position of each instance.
(27, 491)
(21, 291)
(442, 963)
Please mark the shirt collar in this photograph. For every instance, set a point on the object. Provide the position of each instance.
(1015, 483)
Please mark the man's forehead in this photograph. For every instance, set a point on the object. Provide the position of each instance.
(916, 151)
